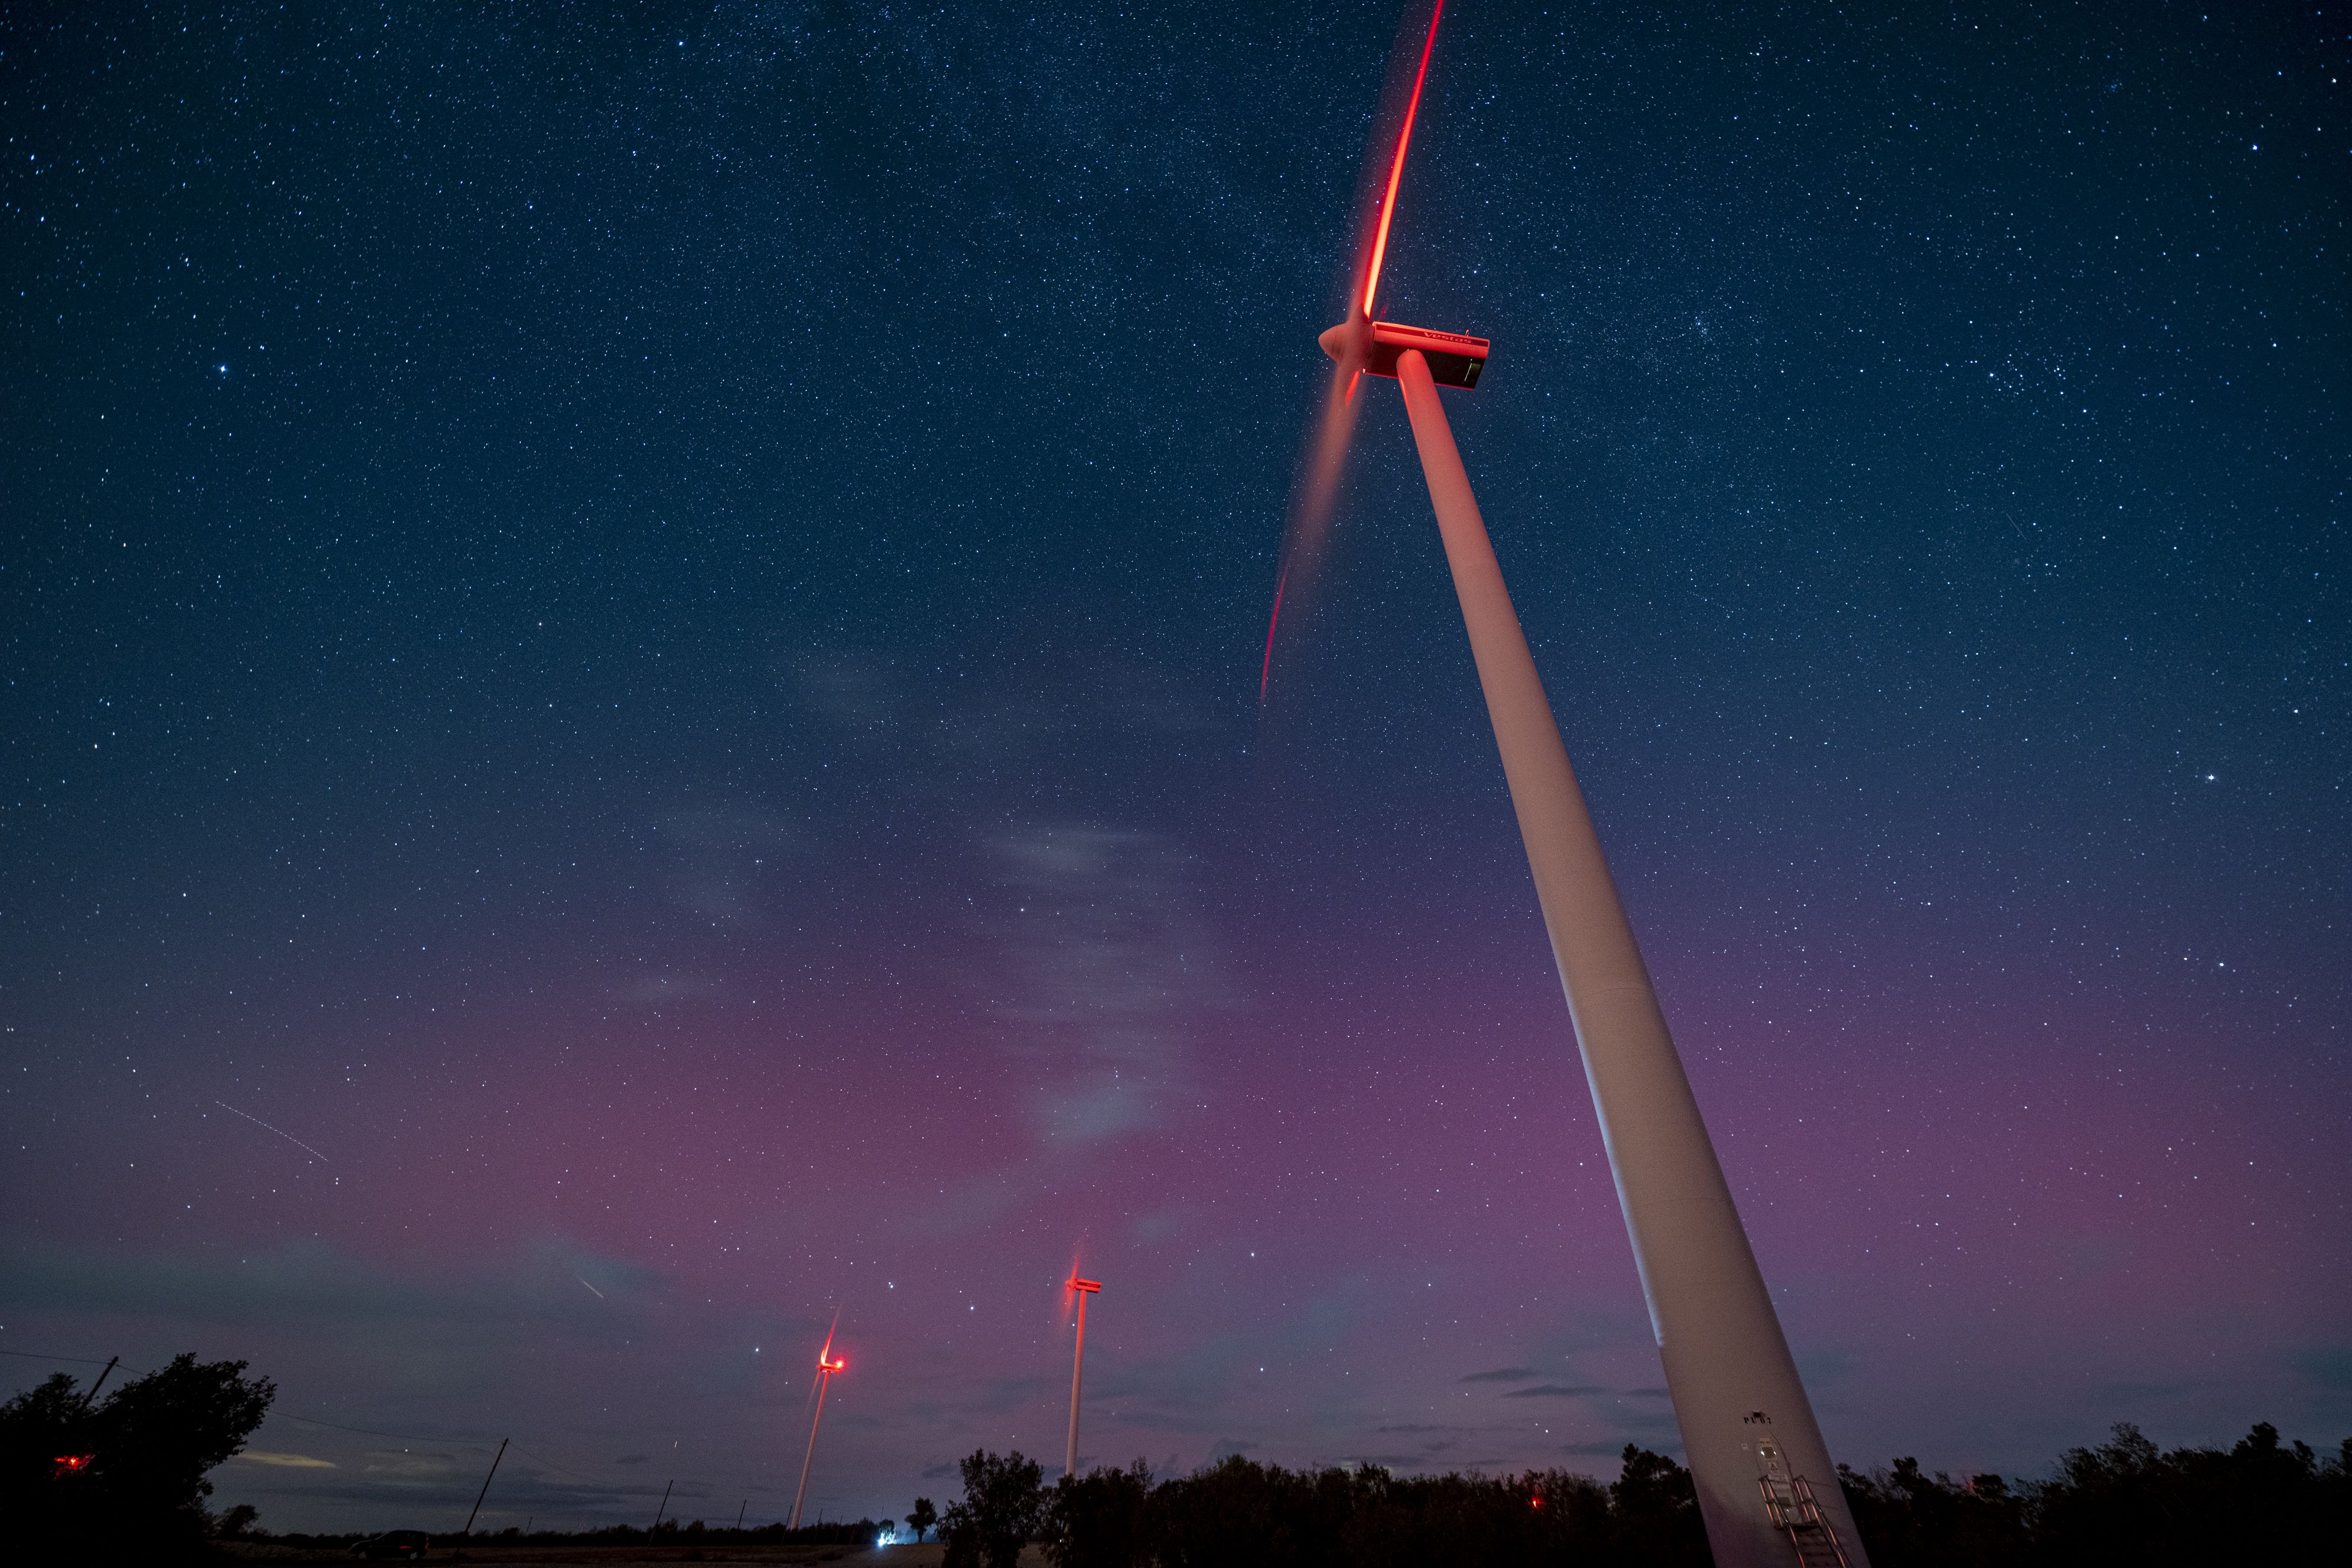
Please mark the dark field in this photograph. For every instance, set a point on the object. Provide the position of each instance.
(564, 1556)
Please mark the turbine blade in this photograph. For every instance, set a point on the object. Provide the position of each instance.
(1309, 533)
(1315, 498)
(1266, 669)
(1396, 170)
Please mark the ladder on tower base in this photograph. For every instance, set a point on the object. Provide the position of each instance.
(1788, 1502)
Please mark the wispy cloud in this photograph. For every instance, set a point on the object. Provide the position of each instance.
(1096, 960)
(1502, 1375)
(308, 1283)
(405, 1466)
(1111, 965)
(717, 861)
(1556, 1391)
(286, 1461)
(1591, 1447)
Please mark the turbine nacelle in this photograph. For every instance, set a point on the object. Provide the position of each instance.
(1373, 346)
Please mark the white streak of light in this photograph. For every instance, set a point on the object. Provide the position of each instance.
(266, 1127)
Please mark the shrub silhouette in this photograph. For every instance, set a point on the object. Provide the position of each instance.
(136, 1482)
(1003, 1509)
(1099, 1520)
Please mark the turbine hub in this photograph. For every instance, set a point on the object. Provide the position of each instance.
(1348, 341)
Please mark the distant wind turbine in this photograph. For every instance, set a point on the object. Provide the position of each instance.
(1081, 1289)
(828, 1364)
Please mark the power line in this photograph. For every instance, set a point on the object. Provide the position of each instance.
(85, 1360)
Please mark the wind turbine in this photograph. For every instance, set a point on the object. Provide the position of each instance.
(828, 1364)
(1081, 1289)
(1753, 1447)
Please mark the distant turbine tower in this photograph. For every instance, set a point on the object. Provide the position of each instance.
(1747, 1429)
(1082, 1289)
(828, 1364)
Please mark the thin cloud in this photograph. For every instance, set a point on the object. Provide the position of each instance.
(1111, 965)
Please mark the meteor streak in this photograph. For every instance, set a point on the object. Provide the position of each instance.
(279, 1131)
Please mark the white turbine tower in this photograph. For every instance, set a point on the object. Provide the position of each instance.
(1753, 1447)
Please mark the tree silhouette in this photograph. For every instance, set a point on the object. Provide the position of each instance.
(1004, 1508)
(923, 1517)
(128, 1476)
(1099, 1520)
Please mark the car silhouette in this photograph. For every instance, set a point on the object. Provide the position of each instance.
(404, 1544)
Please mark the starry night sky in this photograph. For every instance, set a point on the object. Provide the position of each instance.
(632, 643)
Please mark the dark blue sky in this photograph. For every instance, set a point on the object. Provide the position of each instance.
(640, 629)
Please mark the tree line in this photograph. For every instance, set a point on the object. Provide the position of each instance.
(2123, 1502)
(125, 1477)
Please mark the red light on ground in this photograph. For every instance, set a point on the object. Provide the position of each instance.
(73, 1464)
(1535, 1502)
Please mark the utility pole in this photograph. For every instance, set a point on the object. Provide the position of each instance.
(486, 1484)
(660, 1510)
(111, 1363)
(740, 1512)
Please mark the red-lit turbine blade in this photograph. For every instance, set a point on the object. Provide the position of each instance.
(1266, 669)
(1396, 169)
(1317, 495)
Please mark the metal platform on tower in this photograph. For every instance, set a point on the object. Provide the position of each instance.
(1788, 1503)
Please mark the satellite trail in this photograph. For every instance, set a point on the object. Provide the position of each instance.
(592, 1290)
(266, 1127)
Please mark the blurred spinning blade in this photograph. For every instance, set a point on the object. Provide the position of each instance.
(1307, 535)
